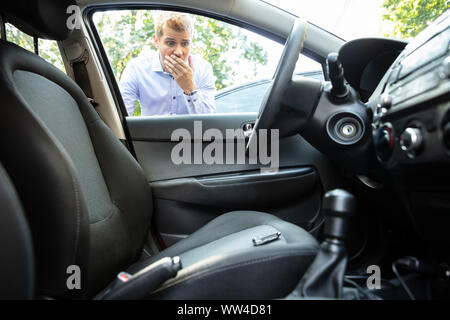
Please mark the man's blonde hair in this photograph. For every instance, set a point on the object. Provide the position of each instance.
(177, 21)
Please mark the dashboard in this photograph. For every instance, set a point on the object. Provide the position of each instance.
(406, 90)
(411, 108)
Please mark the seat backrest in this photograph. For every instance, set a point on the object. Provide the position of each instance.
(16, 251)
(86, 197)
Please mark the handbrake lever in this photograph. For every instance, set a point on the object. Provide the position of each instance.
(143, 282)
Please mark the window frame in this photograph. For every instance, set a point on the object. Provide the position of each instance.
(100, 51)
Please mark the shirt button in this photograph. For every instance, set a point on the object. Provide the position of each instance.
(174, 98)
(189, 100)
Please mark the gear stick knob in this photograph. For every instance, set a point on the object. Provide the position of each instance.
(325, 277)
(338, 206)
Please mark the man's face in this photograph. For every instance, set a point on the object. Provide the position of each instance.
(173, 42)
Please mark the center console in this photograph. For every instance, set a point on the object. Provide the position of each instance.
(412, 114)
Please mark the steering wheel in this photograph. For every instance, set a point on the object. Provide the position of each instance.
(283, 75)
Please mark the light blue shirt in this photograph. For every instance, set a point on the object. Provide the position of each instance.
(159, 94)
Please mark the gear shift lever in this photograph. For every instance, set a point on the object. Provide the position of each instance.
(338, 206)
(325, 277)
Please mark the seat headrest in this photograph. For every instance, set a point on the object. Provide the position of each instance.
(45, 19)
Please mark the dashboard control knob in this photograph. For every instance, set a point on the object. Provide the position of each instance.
(384, 143)
(411, 141)
(384, 105)
(386, 101)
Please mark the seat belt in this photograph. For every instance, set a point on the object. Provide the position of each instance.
(81, 76)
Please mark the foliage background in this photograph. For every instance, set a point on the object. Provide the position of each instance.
(126, 33)
(410, 17)
(48, 49)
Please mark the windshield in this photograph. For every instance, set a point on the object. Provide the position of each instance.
(351, 19)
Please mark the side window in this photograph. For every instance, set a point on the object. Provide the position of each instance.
(230, 66)
(48, 49)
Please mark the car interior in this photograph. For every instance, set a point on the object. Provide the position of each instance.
(357, 209)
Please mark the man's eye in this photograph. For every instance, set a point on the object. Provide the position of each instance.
(170, 43)
(185, 44)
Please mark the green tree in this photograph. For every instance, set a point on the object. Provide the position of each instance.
(48, 49)
(126, 33)
(212, 40)
(410, 17)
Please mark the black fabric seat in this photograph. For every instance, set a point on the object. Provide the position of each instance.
(88, 201)
(16, 250)
(220, 261)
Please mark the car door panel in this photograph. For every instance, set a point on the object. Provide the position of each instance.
(209, 196)
(187, 196)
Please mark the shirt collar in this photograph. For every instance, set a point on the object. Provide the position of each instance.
(156, 63)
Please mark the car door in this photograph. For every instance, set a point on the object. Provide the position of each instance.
(188, 194)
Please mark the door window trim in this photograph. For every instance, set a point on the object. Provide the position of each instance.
(90, 10)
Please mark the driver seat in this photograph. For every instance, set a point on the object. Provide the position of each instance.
(89, 204)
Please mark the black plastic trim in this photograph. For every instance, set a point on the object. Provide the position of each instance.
(242, 188)
(252, 177)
